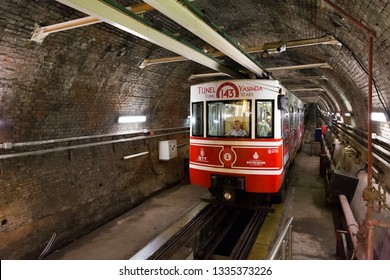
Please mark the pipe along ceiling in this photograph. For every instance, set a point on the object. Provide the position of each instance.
(183, 13)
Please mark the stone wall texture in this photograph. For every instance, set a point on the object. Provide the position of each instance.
(76, 83)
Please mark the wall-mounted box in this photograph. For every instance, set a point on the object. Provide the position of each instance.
(344, 183)
(167, 149)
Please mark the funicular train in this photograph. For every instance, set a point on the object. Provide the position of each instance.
(244, 135)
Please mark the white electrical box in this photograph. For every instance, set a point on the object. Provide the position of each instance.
(167, 149)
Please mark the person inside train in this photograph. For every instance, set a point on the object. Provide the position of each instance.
(237, 130)
(265, 127)
(269, 125)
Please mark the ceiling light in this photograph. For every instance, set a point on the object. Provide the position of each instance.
(307, 89)
(131, 119)
(378, 116)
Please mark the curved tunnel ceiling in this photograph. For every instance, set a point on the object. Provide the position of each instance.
(304, 43)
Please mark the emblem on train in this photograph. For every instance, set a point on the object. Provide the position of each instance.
(201, 156)
(255, 161)
(228, 90)
(227, 156)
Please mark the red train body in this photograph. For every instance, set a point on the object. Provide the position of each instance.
(257, 162)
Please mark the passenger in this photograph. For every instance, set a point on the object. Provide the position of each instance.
(269, 125)
(265, 127)
(237, 130)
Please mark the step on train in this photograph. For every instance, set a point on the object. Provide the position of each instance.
(244, 135)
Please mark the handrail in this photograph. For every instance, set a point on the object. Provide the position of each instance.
(284, 240)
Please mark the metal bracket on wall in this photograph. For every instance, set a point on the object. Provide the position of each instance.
(113, 148)
(70, 153)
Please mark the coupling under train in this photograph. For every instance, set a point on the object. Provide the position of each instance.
(244, 135)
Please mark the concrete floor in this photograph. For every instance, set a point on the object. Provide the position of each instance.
(126, 235)
(313, 229)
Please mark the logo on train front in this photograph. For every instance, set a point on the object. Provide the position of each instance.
(201, 156)
(228, 90)
(255, 161)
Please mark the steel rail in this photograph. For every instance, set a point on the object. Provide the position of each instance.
(182, 237)
(244, 245)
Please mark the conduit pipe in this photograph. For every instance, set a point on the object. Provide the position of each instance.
(367, 193)
(269, 47)
(127, 21)
(353, 227)
(290, 67)
(65, 148)
(9, 145)
(40, 33)
(183, 16)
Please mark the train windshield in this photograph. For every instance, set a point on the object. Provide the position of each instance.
(229, 118)
(264, 118)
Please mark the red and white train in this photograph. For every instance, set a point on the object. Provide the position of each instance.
(257, 163)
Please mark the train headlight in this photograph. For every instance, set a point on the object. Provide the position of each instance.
(227, 195)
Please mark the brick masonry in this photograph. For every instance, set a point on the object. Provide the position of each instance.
(77, 83)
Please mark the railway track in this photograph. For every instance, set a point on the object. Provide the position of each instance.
(217, 232)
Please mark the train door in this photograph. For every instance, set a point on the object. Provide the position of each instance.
(197, 119)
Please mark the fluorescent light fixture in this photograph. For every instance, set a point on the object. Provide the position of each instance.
(307, 89)
(378, 116)
(131, 119)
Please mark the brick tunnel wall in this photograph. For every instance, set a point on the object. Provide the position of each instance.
(76, 83)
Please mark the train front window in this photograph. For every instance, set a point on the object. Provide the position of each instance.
(197, 119)
(264, 118)
(229, 118)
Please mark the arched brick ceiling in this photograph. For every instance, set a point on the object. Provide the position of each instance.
(258, 22)
(85, 67)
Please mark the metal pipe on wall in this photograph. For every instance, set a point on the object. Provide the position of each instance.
(353, 227)
(350, 219)
(65, 148)
(9, 145)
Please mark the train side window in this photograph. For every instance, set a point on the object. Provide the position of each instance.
(197, 119)
(264, 118)
(291, 117)
(222, 115)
